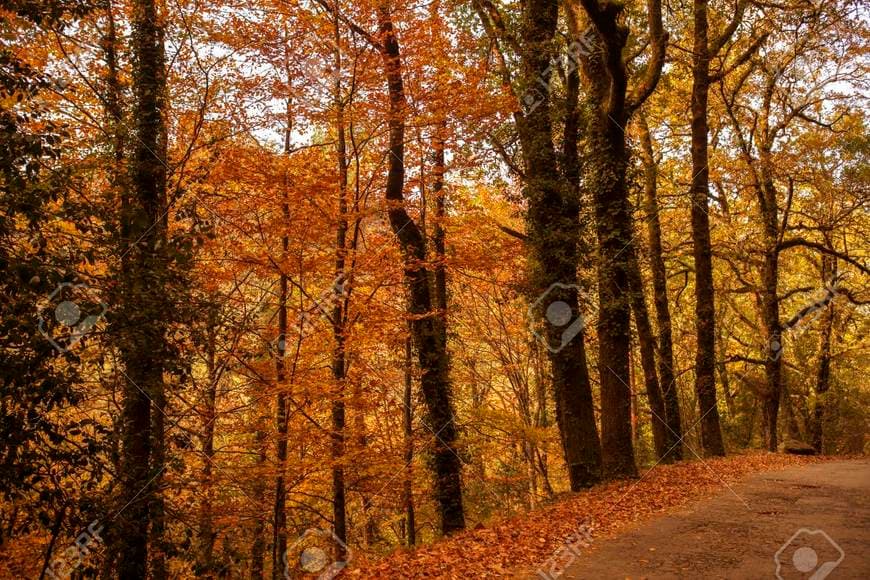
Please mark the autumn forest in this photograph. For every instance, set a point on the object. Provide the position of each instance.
(301, 288)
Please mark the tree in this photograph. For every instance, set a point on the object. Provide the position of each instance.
(613, 104)
(40, 355)
(781, 106)
(551, 191)
(339, 310)
(346, 248)
(660, 291)
(141, 317)
(426, 325)
(704, 50)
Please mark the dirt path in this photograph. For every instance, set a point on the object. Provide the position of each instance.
(738, 533)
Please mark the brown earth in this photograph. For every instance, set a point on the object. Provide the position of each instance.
(807, 517)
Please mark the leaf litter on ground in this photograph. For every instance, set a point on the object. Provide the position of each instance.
(519, 545)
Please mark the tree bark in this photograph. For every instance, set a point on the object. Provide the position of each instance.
(113, 104)
(823, 366)
(425, 325)
(279, 515)
(769, 214)
(773, 332)
(553, 237)
(408, 422)
(791, 424)
(258, 540)
(438, 233)
(661, 438)
(613, 227)
(140, 317)
(666, 374)
(114, 109)
(762, 174)
(607, 161)
(157, 507)
(542, 419)
(339, 363)
(705, 312)
(204, 567)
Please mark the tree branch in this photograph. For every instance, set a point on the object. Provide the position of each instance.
(352, 25)
(514, 233)
(659, 41)
(742, 59)
(726, 35)
(800, 242)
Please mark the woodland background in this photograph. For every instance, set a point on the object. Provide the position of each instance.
(317, 241)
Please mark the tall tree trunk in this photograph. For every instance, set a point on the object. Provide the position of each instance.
(772, 394)
(258, 497)
(157, 509)
(726, 384)
(635, 415)
(408, 421)
(823, 366)
(282, 420)
(553, 237)
(769, 214)
(607, 161)
(438, 234)
(553, 222)
(339, 364)
(705, 312)
(762, 174)
(613, 226)
(426, 330)
(542, 419)
(143, 304)
(661, 439)
(660, 293)
(361, 441)
(204, 567)
(532, 471)
(791, 424)
(114, 108)
(119, 179)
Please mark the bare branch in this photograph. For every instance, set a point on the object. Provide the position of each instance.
(800, 242)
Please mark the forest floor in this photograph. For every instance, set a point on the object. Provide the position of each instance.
(695, 518)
